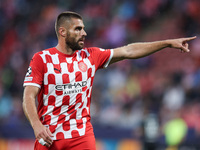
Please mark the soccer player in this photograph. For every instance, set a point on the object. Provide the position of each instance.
(61, 79)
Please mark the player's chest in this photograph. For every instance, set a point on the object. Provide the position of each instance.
(69, 71)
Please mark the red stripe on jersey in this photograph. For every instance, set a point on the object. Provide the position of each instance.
(59, 93)
(48, 58)
(60, 135)
(81, 105)
(84, 112)
(84, 88)
(51, 100)
(45, 69)
(61, 119)
(56, 110)
(65, 78)
(44, 110)
(70, 67)
(73, 114)
(78, 76)
(52, 128)
(83, 54)
(46, 89)
(47, 119)
(79, 123)
(89, 72)
(75, 133)
(66, 126)
(79, 98)
(51, 79)
(88, 102)
(66, 100)
(87, 92)
(71, 111)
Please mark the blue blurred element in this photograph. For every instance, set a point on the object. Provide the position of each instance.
(5, 106)
(127, 10)
(110, 144)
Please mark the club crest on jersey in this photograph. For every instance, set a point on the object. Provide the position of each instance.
(82, 66)
(29, 71)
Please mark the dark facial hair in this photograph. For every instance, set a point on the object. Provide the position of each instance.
(72, 43)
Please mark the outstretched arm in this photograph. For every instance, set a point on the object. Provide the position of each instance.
(29, 107)
(138, 50)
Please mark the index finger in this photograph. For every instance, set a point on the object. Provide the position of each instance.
(190, 38)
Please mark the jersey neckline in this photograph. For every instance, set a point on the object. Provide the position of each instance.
(66, 55)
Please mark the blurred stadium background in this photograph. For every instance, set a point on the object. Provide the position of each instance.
(152, 103)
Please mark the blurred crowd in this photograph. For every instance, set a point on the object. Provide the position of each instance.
(165, 84)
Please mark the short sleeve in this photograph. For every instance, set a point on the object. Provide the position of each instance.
(35, 72)
(101, 57)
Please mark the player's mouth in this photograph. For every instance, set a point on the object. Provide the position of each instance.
(81, 40)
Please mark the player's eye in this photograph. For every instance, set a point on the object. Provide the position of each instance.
(78, 28)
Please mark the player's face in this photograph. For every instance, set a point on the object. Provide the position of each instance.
(76, 35)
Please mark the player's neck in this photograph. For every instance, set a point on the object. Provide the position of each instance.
(64, 49)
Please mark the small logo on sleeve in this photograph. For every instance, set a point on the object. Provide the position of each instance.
(29, 71)
(28, 79)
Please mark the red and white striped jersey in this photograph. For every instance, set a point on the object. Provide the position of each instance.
(65, 83)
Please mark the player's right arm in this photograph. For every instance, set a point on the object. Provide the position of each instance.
(32, 85)
(30, 110)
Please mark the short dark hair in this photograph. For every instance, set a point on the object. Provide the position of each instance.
(62, 17)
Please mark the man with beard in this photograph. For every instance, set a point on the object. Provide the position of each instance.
(61, 79)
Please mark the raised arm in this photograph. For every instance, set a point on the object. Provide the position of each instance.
(138, 50)
(30, 110)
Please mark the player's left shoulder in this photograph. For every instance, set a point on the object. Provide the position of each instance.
(92, 49)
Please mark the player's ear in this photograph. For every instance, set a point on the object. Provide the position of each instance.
(62, 31)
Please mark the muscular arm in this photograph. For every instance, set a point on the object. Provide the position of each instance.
(30, 110)
(138, 50)
(29, 106)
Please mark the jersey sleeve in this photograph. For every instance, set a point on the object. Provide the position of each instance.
(101, 57)
(35, 72)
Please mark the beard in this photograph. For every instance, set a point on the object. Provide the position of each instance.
(73, 43)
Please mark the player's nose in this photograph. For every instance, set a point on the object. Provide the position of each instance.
(84, 33)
